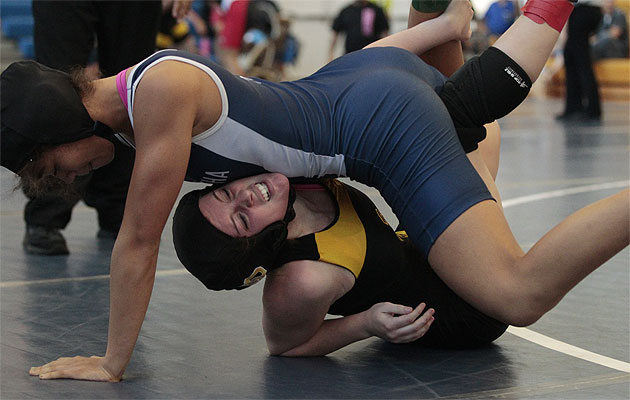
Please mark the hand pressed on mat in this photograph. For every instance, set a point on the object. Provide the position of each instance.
(83, 368)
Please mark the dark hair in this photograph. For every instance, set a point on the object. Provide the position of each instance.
(81, 79)
(33, 184)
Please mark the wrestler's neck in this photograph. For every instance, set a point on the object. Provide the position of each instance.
(314, 212)
(104, 105)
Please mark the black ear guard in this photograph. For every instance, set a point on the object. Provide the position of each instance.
(40, 106)
(220, 261)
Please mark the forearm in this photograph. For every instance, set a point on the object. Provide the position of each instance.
(422, 37)
(131, 284)
(446, 57)
(332, 335)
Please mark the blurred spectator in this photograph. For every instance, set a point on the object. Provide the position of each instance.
(231, 19)
(201, 27)
(236, 17)
(65, 35)
(386, 5)
(500, 16)
(253, 38)
(362, 22)
(194, 33)
(611, 39)
(174, 34)
(552, 67)
(479, 39)
(582, 92)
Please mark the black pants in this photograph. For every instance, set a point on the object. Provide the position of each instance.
(582, 90)
(64, 34)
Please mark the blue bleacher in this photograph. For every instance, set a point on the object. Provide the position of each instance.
(17, 24)
(26, 46)
(9, 8)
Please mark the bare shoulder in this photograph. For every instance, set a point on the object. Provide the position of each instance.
(171, 80)
(172, 89)
(305, 282)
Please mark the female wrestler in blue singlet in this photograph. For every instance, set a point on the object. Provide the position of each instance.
(336, 122)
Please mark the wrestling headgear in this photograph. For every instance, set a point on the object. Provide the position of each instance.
(218, 260)
(40, 106)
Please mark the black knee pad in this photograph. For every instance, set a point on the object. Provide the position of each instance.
(484, 89)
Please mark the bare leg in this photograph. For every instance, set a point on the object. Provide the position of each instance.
(531, 38)
(479, 258)
(530, 54)
(447, 57)
(486, 159)
(435, 31)
(490, 148)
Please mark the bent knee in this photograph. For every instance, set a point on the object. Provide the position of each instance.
(523, 318)
(525, 308)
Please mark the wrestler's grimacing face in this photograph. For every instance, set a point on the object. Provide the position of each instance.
(245, 207)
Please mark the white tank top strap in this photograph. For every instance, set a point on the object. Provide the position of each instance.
(133, 81)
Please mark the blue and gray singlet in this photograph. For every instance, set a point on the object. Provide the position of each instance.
(373, 115)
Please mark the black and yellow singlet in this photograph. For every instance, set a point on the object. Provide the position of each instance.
(388, 268)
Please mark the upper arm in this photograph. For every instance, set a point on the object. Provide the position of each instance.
(296, 299)
(164, 115)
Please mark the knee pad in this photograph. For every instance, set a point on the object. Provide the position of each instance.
(484, 89)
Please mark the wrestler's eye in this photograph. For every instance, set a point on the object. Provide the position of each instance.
(222, 195)
(243, 219)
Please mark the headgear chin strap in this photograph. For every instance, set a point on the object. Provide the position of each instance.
(218, 260)
(40, 106)
(104, 131)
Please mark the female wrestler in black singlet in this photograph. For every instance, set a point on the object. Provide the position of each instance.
(341, 258)
(346, 261)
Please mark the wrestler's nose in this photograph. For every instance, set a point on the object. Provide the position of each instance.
(246, 198)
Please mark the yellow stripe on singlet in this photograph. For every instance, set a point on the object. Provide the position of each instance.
(345, 243)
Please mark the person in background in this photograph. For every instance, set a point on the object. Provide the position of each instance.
(479, 39)
(201, 27)
(582, 102)
(500, 16)
(386, 5)
(174, 33)
(234, 18)
(611, 38)
(65, 34)
(362, 22)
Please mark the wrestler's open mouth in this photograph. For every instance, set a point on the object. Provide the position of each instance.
(264, 190)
